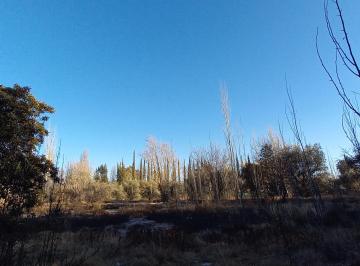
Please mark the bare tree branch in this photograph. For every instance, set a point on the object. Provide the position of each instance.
(346, 55)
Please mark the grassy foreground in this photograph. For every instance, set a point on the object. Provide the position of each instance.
(186, 234)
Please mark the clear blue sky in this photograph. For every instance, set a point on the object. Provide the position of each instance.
(119, 71)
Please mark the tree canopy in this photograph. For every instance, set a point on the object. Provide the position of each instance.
(23, 170)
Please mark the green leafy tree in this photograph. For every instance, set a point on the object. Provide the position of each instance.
(23, 171)
(349, 171)
(287, 168)
(101, 173)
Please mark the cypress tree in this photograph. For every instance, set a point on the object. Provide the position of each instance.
(178, 170)
(158, 170)
(144, 170)
(101, 173)
(173, 172)
(194, 178)
(133, 166)
(167, 170)
(148, 171)
(184, 171)
(119, 173)
(141, 170)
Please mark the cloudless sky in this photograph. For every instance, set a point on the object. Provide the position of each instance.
(119, 71)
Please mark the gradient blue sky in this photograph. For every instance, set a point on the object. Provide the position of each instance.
(119, 71)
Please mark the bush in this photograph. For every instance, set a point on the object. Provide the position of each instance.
(150, 190)
(170, 191)
(132, 189)
(118, 192)
(349, 169)
(96, 192)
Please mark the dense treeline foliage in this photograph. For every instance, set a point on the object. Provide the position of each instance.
(276, 171)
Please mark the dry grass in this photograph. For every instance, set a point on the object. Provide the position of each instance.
(225, 234)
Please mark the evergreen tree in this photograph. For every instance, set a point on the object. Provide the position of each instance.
(184, 171)
(133, 170)
(119, 173)
(101, 173)
(148, 171)
(23, 171)
(167, 170)
(141, 170)
(173, 171)
(144, 170)
(178, 170)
